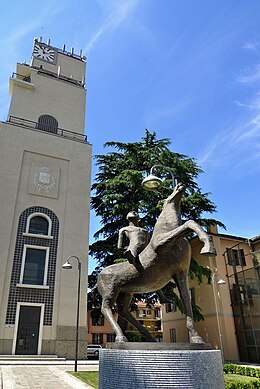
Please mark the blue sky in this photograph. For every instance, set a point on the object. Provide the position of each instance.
(188, 70)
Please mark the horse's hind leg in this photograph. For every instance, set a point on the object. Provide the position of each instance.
(106, 309)
(181, 282)
(123, 302)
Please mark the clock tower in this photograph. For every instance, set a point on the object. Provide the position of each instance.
(44, 205)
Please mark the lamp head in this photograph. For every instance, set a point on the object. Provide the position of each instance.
(221, 281)
(67, 265)
(151, 182)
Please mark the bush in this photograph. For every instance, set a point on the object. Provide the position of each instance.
(230, 368)
(252, 384)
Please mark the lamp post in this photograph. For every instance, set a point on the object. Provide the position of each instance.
(152, 182)
(219, 282)
(68, 266)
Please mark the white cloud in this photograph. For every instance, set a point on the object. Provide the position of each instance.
(238, 145)
(169, 111)
(251, 46)
(239, 142)
(119, 12)
(250, 130)
(250, 76)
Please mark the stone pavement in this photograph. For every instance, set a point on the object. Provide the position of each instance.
(40, 376)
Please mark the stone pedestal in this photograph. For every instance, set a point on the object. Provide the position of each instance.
(160, 365)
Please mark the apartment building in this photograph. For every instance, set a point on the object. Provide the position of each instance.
(232, 309)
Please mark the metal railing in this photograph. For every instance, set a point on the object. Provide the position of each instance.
(61, 77)
(31, 125)
(21, 77)
(49, 73)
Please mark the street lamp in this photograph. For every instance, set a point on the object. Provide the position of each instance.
(219, 282)
(68, 266)
(153, 182)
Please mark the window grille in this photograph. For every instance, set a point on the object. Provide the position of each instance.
(47, 123)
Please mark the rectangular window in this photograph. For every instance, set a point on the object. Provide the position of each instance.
(236, 257)
(34, 265)
(243, 295)
(172, 335)
(98, 321)
(97, 338)
(111, 337)
(192, 296)
(170, 307)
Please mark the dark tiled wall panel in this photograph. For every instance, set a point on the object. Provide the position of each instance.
(26, 294)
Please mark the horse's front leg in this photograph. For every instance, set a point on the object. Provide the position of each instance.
(208, 246)
(106, 309)
(181, 282)
(182, 231)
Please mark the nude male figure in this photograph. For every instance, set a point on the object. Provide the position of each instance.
(138, 238)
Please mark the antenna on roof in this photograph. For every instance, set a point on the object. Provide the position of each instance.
(80, 54)
(72, 50)
(40, 39)
(48, 42)
(63, 48)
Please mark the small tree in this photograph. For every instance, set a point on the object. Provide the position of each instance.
(117, 190)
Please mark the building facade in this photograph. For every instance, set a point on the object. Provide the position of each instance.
(44, 205)
(232, 310)
(101, 332)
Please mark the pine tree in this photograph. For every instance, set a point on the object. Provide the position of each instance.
(117, 190)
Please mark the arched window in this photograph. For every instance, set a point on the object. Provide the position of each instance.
(39, 225)
(47, 123)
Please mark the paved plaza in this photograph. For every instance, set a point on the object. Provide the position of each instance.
(39, 376)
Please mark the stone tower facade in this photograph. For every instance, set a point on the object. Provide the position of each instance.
(44, 205)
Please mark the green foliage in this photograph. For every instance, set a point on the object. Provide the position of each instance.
(198, 271)
(234, 381)
(117, 190)
(133, 336)
(230, 368)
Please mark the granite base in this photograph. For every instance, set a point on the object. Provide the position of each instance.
(127, 366)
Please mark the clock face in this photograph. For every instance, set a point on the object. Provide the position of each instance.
(45, 53)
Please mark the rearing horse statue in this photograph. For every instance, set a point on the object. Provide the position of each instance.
(166, 257)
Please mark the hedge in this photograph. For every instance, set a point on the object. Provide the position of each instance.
(248, 371)
(252, 384)
(231, 368)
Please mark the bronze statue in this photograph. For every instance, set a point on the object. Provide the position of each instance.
(166, 257)
(138, 238)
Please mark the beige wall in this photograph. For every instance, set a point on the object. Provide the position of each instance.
(66, 102)
(20, 148)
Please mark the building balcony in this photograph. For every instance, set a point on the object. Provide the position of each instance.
(50, 130)
(22, 80)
